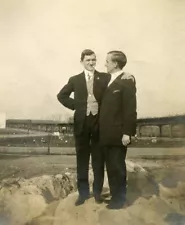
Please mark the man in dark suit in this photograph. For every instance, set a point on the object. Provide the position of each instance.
(88, 88)
(117, 123)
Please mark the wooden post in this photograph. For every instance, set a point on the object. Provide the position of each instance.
(171, 131)
(29, 126)
(160, 130)
(139, 130)
(49, 143)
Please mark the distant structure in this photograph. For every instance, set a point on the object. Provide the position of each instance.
(169, 126)
(166, 127)
(2, 120)
(40, 125)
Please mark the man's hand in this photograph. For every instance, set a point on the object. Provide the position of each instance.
(127, 76)
(125, 140)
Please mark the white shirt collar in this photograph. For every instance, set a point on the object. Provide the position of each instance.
(116, 74)
(91, 73)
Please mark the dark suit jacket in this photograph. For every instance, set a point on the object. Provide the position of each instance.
(118, 111)
(77, 84)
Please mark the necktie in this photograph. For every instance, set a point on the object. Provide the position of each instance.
(88, 76)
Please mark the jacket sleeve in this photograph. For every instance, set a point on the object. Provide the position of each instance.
(64, 95)
(129, 108)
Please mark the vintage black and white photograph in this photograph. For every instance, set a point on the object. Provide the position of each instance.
(92, 112)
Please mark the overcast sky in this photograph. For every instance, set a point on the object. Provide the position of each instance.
(41, 42)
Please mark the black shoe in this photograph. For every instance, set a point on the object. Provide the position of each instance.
(116, 205)
(80, 200)
(98, 199)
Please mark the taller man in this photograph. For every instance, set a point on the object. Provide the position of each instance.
(88, 88)
(117, 124)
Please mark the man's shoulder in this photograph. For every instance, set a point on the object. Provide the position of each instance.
(74, 77)
(128, 78)
(127, 81)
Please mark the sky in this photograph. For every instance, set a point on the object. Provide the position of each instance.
(41, 42)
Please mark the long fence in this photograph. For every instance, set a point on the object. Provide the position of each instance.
(45, 135)
(171, 127)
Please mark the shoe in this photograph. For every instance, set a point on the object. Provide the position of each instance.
(98, 199)
(116, 205)
(80, 200)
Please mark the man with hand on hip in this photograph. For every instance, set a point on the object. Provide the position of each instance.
(88, 88)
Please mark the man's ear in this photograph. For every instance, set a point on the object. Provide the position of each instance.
(116, 65)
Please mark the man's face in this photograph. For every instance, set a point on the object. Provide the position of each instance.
(110, 65)
(89, 62)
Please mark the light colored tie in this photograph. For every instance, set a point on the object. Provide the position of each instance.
(88, 76)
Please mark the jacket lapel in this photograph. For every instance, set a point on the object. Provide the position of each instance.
(94, 81)
(115, 83)
(83, 84)
(96, 85)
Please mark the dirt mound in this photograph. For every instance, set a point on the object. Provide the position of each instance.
(47, 200)
(149, 203)
(22, 200)
(143, 211)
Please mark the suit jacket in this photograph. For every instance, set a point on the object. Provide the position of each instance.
(118, 111)
(77, 84)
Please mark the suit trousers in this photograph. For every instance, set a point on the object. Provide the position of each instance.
(87, 144)
(116, 171)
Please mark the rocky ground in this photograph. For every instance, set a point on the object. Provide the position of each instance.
(34, 191)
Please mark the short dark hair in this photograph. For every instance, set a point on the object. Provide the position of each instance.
(86, 52)
(119, 57)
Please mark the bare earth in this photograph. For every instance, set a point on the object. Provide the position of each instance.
(155, 189)
(29, 165)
